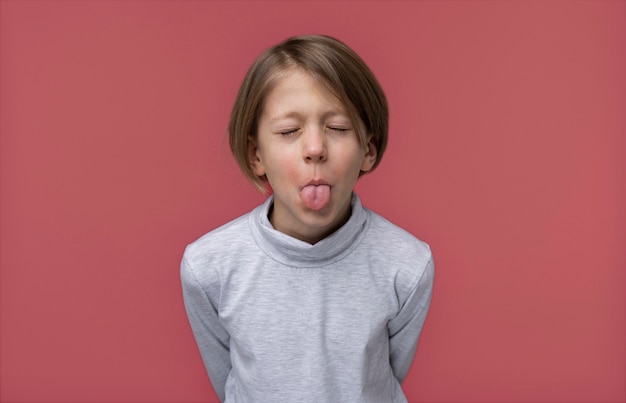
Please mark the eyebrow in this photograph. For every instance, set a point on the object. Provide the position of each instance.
(298, 115)
(292, 114)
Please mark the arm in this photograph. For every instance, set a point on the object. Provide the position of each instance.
(212, 339)
(405, 328)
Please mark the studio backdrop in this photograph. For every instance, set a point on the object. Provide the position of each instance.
(506, 154)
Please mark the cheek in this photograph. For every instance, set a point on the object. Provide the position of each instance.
(352, 160)
(281, 166)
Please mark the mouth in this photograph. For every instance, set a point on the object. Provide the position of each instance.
(316, 182)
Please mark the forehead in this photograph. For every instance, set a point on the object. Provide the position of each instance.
(297, 88)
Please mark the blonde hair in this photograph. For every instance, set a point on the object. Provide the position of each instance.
(331, 61)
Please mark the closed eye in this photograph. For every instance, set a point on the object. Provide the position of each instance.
(288, 132)
(338, 129)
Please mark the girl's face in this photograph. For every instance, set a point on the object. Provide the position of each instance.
(309, 150)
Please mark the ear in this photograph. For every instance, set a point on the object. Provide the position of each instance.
(254, 158)
(369, 159)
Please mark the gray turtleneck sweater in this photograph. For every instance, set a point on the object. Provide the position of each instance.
(280, 320)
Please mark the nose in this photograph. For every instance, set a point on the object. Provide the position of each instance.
(314, 147)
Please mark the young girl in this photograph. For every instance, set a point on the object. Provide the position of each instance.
(310, 297)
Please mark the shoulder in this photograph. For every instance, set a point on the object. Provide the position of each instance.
(407, 257)
(217, 248)
(393, 241)
(217, 239)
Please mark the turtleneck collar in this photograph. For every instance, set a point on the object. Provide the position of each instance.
(296, 253)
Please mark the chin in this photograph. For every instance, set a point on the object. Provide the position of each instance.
(327, 217)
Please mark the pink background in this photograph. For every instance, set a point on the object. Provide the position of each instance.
(506, 154)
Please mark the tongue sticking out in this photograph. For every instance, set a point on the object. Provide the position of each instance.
(315, 197)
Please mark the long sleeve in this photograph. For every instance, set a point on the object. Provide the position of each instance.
(212, 339)
(405, 328)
